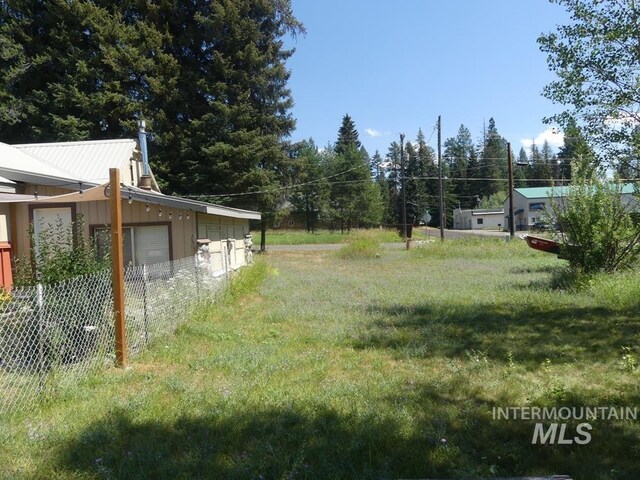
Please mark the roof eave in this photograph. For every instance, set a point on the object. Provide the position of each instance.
(186, 204)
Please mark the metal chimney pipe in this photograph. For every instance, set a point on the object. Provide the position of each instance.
(142, 139)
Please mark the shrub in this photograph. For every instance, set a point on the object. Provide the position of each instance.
(59, 253)
(600, 233)
(70, 308)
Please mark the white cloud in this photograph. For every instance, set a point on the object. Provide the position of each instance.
(373, 133)
(552, 135)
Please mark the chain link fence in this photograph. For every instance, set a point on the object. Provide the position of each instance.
(51, 335)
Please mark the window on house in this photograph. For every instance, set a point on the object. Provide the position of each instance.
(480, 221)
(54, 220)
(141, 245)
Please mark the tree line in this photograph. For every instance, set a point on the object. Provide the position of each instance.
(341, 186)
(210, 79)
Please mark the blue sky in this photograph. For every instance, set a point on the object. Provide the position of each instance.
(394, 66)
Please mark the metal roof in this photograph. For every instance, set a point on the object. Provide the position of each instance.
(101, 193)
(557, 192)
(87, 161)
(67, 164)
(21, 167)
(187, 204)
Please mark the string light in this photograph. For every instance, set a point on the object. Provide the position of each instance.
(81, 190)
(159, 212)
(130, 199)
(147, 207)
(170, 214)
(188, 211)
(35, 192)
(180, 215)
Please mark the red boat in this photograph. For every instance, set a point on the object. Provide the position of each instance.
(543, 244)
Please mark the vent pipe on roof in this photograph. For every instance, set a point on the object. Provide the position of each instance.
(145, 179)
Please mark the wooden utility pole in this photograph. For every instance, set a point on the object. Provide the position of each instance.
(440, 186)
(117, 266)
(512, 227)
(404, 190)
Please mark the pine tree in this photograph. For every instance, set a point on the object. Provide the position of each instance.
(393, 181)
(520, 169)
(493, 164)
(354, 198)
(429, 175)
(574, 148)
(209, 77)
(311, 195)
(457, 151)
(347, 135)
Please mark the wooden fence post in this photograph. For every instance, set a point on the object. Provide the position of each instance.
(117, 266)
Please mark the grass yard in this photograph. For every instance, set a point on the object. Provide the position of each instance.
(339, 368)
(302, 237)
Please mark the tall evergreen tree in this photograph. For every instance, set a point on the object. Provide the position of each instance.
(210, 78)
(429, 174)
(414, 185)
(354, 197)
(457, 151)
(311, 193)
(393, 182)
(493, 163)
(347, 135)
(574, 148)
(520, 169)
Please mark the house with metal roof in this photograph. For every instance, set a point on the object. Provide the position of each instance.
(47, 183)
(531, 205)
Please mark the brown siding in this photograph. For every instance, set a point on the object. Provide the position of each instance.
(183, 231)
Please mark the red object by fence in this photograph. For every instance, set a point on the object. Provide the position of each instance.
(6, 278)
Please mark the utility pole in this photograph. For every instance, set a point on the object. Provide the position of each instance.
(512, 227)
(440, 187)
(117, 266)
(404, 190)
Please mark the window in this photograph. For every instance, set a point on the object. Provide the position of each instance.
(142, 245)
(55, 220)
(480, 221)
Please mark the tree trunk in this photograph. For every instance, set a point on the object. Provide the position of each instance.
(263, 235)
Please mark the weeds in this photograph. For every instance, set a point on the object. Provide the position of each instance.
(362, 369)
(360, 245)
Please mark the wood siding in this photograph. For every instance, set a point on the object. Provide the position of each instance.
(183, 232)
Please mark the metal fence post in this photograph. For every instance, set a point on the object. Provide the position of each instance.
(40, 300)
(144, 304)
(197, 282)
(227, 255)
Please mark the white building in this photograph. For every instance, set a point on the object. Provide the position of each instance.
(478, 219)
(531, 205)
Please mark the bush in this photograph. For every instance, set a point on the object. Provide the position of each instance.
(600, 233)
(70, 309)
(59, 253)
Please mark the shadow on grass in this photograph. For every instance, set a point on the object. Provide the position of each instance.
(449, 438)
(527, 334)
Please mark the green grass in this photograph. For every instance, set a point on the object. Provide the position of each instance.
(377, 368)
(360, 244)
(301, 237)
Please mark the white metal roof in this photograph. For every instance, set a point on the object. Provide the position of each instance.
(87, 161)
(21, 167)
